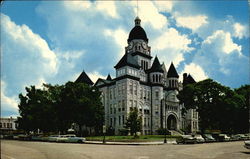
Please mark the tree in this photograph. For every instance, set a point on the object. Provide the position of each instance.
(216, 104)
(36, 111)
(55, 108)
(134, 122)
(244, 109)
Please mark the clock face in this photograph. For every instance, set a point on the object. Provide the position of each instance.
(130, 45)
(144, 45)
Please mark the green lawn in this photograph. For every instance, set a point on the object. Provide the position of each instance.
(142, 138)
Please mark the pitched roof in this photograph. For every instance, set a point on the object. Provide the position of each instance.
(172, 71)
(156, 67)
(84, 78)
(109, 77)
(127, 60)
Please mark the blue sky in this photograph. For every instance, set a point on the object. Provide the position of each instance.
(53, 41)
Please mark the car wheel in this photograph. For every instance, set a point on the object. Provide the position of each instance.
(79, 141)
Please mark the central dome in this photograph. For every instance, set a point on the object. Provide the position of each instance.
(137, 32)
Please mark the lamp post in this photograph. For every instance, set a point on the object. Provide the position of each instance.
(104, 132)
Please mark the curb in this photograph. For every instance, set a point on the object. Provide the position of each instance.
(127, 143)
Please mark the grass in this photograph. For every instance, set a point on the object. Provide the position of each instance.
(142, 138)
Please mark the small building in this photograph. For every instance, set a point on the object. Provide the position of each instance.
(8, 125)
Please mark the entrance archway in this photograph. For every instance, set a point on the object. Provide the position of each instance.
(171, 122)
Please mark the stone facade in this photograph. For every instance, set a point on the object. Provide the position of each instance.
(145, 85)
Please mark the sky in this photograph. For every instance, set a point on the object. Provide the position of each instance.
(54, 41)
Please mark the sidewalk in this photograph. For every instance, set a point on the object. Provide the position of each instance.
(130, 143)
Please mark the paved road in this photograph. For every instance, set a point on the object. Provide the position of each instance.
(45, 150)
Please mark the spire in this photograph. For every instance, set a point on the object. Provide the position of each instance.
(137, 21)
(84, 78)
(156, 67)
(109, 77)
(172, 71)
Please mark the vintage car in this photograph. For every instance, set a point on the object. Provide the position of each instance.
(186, 139)
(208, 138)
(247, 144)
(199, 139)
(70, 138)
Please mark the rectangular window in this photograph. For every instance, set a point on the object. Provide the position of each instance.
(141, 93)
(110, 93)
(119, 120)
(131, 89)
(148, 95)
(135, 90)
(135, 103)
(114, 92)
(156, 94)
(123, 120)
(111, 124)
(123, 105)
(114, 122)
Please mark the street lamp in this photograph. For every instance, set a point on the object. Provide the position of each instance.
(104, 132)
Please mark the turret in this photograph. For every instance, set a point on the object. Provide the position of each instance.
(172, 77)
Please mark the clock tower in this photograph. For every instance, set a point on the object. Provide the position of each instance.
(138, 45)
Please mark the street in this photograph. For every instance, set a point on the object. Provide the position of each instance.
(44, 150)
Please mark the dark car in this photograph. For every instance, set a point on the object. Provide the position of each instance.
(208, 138)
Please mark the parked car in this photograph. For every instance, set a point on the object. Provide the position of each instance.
(71, 139)
(234, 138)
(247, 144)
(53, 138)
(224, 137)
(37, 138)
(199, 138)
(186, 139)
(208, 138)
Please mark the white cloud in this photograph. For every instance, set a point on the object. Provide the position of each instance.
(191, 22)
(8, 103)
(107, 7)
(78, 5)
(196, 71)
(31, 41)
(226, 42)
(173, 39)
(240, 31)
(149, 13)
(26, 57)
(222, 59)
(164, 6)
(171, 46)
(120, 37)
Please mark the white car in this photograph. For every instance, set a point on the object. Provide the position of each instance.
(71, 139)
(199, 139)
(247, 144)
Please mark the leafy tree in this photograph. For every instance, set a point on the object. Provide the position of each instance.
(36, 111)
(55, 108)
(243, 117)
(134, 122)
(217, 105)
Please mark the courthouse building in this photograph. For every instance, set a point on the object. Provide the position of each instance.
(144, 82)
